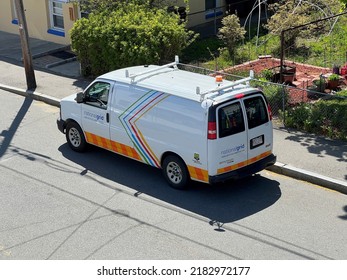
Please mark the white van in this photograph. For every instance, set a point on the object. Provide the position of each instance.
(191, 125)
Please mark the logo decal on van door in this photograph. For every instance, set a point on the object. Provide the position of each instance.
(233, 150)
(134, 113)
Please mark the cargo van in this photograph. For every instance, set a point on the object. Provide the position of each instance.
(192, 126)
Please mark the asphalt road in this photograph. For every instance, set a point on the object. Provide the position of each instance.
(58, 204)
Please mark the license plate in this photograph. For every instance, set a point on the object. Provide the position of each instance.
(257, 141)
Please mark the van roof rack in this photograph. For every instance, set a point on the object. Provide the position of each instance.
(218, 90)
(133, 76)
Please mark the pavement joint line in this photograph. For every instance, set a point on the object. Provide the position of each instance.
(54, 64)
(278, 167)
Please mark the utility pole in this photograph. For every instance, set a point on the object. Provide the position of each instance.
(24, 38)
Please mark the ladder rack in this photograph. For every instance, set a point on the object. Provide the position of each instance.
(133, 76)
(218, 90)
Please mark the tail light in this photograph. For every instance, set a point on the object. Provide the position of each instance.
(212, 131)
(270, 111)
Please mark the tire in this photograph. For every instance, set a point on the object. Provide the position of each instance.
(75, 137)
(175, 172)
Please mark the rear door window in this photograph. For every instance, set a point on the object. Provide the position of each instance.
(230, 120)
(256, 111)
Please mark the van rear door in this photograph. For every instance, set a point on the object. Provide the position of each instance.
(228, 151)
(243, 134)
(259, 127)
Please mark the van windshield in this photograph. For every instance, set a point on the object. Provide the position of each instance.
(256, 111)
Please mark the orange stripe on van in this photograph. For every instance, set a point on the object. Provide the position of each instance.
(232, 167)
(112, 146)
(259, 157)
(198, 174)
(243, 163)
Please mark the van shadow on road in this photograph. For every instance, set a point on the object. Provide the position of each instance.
(223, 203)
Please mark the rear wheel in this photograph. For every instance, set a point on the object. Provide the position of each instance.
(75, 137)
(175, 172)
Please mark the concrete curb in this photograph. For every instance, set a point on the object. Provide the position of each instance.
(65, 61)
(280, 168)
(308, 176)
(33, 94)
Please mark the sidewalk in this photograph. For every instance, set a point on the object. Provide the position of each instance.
(310, 158)
(302, 156)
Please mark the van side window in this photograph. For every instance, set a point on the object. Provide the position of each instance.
(256, 111)
(97, 95)
(230, 120)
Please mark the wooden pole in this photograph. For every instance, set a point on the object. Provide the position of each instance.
(27, 58)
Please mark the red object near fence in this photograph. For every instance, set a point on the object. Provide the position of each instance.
(344, 70)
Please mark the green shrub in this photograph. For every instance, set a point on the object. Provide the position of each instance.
(342, 93)
(231, 33)
(326, 118)
(131, 35)
(333, 77)
(267, 74)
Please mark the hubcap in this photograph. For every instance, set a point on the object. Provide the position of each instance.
(174, 172)
(75, 137)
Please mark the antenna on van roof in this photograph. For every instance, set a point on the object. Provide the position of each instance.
(172, 64)
(218, 89)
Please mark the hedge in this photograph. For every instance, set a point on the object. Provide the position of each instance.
(324, 117)
(131, 35)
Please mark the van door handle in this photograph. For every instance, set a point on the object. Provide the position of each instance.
(107, 117)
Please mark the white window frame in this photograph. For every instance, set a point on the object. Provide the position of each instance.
(53, 13)
(213, 13)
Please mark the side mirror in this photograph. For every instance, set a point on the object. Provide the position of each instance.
(79, 97)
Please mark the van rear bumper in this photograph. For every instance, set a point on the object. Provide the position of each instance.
(245, 171)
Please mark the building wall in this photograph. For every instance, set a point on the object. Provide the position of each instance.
(199, 15)
(6, 15)
(38, 20)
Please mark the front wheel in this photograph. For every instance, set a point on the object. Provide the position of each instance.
(175, 172)
(75, 137)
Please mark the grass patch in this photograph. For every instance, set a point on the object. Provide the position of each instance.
(202, 50)
(325, 51)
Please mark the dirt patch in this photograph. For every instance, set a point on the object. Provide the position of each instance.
(305, 75)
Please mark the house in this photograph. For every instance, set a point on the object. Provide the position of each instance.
(48, 20)
(205, 11)
(51, 20)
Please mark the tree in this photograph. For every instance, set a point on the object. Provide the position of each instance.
(344, 3)
(231, 33)
(287, 14)
(130, 35)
